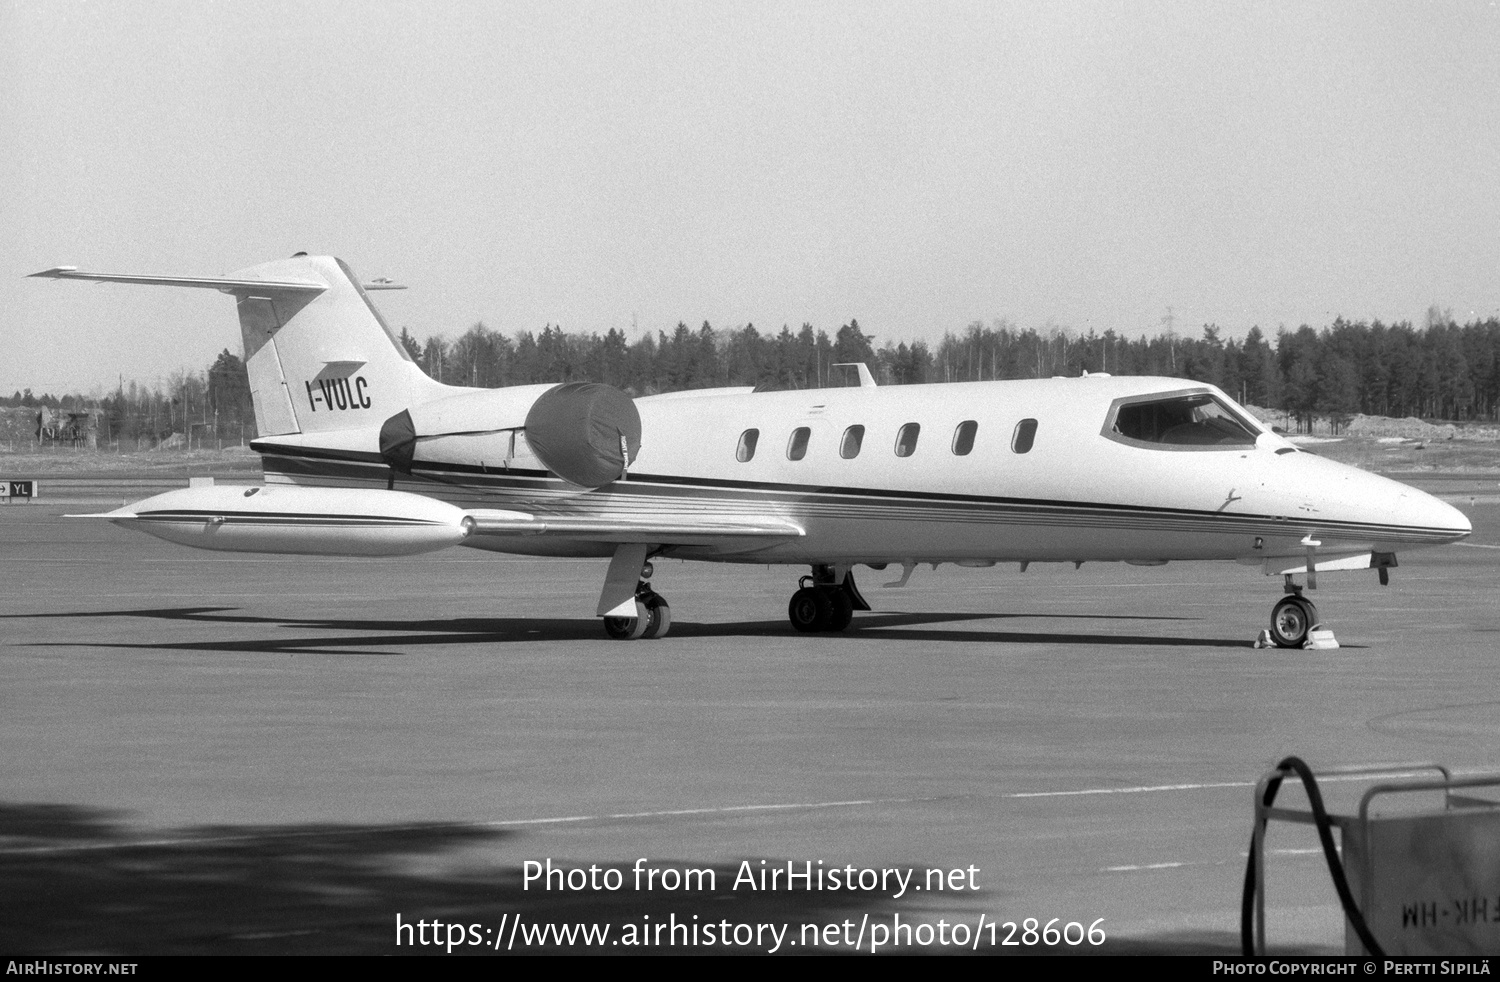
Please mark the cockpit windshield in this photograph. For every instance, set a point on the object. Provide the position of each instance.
(1196, 420)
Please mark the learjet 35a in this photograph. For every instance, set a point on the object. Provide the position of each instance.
(365, 455)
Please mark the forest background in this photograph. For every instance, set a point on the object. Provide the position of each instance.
(1441, 370)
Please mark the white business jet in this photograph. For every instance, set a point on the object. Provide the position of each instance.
(365, 455)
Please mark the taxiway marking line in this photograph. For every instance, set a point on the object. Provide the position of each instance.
(617, 816)
(1143, 789)
(1210, 785)
(1146, 867)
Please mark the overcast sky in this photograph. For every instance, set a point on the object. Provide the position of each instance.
(916, 166)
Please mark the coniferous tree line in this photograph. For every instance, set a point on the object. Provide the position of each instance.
(1441, 370)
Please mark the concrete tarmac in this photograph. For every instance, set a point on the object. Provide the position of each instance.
(259, 754)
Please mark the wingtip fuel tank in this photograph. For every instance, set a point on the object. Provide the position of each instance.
(298, 520)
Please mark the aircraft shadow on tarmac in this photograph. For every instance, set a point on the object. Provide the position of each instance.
(80, 879)
(381, 635)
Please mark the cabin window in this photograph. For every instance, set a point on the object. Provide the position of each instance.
(849, 446)
(796, 447)
(1024, 435)
(1185, 421)
(906, 439)
(746, 450)
(963, 437)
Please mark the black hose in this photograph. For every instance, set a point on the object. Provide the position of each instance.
(1330, 853)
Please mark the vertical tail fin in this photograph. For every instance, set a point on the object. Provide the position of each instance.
(322, 361)
(320, 356)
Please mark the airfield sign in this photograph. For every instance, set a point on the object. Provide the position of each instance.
(17, 489)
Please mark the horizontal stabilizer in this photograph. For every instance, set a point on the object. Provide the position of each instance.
(224, 284)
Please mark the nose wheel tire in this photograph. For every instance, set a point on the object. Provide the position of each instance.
(1291, 620)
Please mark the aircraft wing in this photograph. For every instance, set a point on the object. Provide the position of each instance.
(680, 529)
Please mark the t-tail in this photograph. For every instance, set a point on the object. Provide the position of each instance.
(319, 355)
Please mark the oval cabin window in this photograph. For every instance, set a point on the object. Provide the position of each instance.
(1024, 436)
(853, 437)
(963, 437)
(906, 440)
(746, 450)
(796, 447)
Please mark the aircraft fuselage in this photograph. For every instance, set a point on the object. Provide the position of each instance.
(873, 475)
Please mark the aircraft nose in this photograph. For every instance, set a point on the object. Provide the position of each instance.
(1420, 510)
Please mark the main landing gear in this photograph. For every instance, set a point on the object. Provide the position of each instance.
(653, 618)
(826, 601)
(1292, 618)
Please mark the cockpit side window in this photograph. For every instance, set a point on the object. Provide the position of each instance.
(1182, 421)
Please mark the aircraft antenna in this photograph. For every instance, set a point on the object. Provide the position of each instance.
(1170, 320)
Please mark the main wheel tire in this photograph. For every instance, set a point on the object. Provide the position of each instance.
(629, 628)
(1291, 619)
(841, 609)
(810, 610)
(659, 616)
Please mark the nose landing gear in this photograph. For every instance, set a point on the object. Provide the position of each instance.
(1293, 617)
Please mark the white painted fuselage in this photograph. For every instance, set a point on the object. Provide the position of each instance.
(1077, 493)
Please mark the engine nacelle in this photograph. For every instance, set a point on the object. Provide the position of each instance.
(584, 432)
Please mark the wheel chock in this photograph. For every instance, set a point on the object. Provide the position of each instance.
(1264, 640)
(1320, 638)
